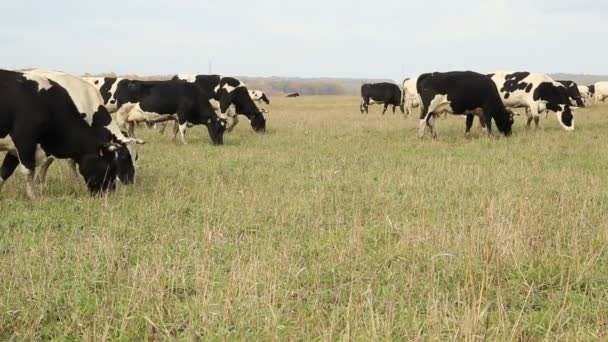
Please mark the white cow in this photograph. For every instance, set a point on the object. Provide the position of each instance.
(601, 91)
(410, 96)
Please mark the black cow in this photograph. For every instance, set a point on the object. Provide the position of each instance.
(573, 93)
(292, 95)
(160, 101)
(380, 93)
(461, 93)
(38, 120)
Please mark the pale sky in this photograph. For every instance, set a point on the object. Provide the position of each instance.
(310, 38)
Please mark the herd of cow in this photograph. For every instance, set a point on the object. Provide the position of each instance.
(47, 115)
(489, 97)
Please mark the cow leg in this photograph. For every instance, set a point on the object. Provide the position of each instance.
(534, 114)
(537, 119)
(131, 129)
(469, 124)
(73, 169)
(163, 126)
(422, 123)
(182, 130)
(9, 165)
(235, 120)
(431, 124)
(41, 179)
(26, 147)
(385, 108)
(361, 106)
(529, 117)
(175, 131)
(394, 109)
(486, 123)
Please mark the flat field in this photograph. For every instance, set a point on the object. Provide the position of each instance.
(333, 225)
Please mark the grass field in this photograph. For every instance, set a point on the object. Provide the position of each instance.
(333, 225)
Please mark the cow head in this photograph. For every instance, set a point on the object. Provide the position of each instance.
(125, 165)
(258, 122)
(239, 97)
(216, 127)
(564, 114)
(265, 99)
(504, 121)
(99, 169)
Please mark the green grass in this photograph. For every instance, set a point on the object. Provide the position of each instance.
(331, 226)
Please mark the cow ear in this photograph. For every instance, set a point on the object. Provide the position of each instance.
(140, 142)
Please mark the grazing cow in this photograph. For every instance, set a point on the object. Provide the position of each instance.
(107, 89)
(410, 97)
(160, 101)
(231, 97)
(536, 92)
(39, 119)
(576, 98)
(461, 93)
(380, 93)
(600, 90)
(259, 96)
(293, 95)
(90, 104)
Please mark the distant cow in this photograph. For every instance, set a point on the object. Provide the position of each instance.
(536, 92)
(600, 91)
(386, 94)
(574, 94)
(160, 101)
(40, 119)
(410, 97)
(259, 96)
(293, 95)
(461, 93)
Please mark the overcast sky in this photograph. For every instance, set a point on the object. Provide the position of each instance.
(311, 38)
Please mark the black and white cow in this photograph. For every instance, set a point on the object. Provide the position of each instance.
(576, 98)
(461, 93)
(410, 97)
(232, 98)
(159, 101)
(380, 93)
(536, 92)
(40, 118)
(90, 104)
(259, 96)
(600, 91)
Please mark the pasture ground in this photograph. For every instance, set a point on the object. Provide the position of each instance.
(333, 225)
